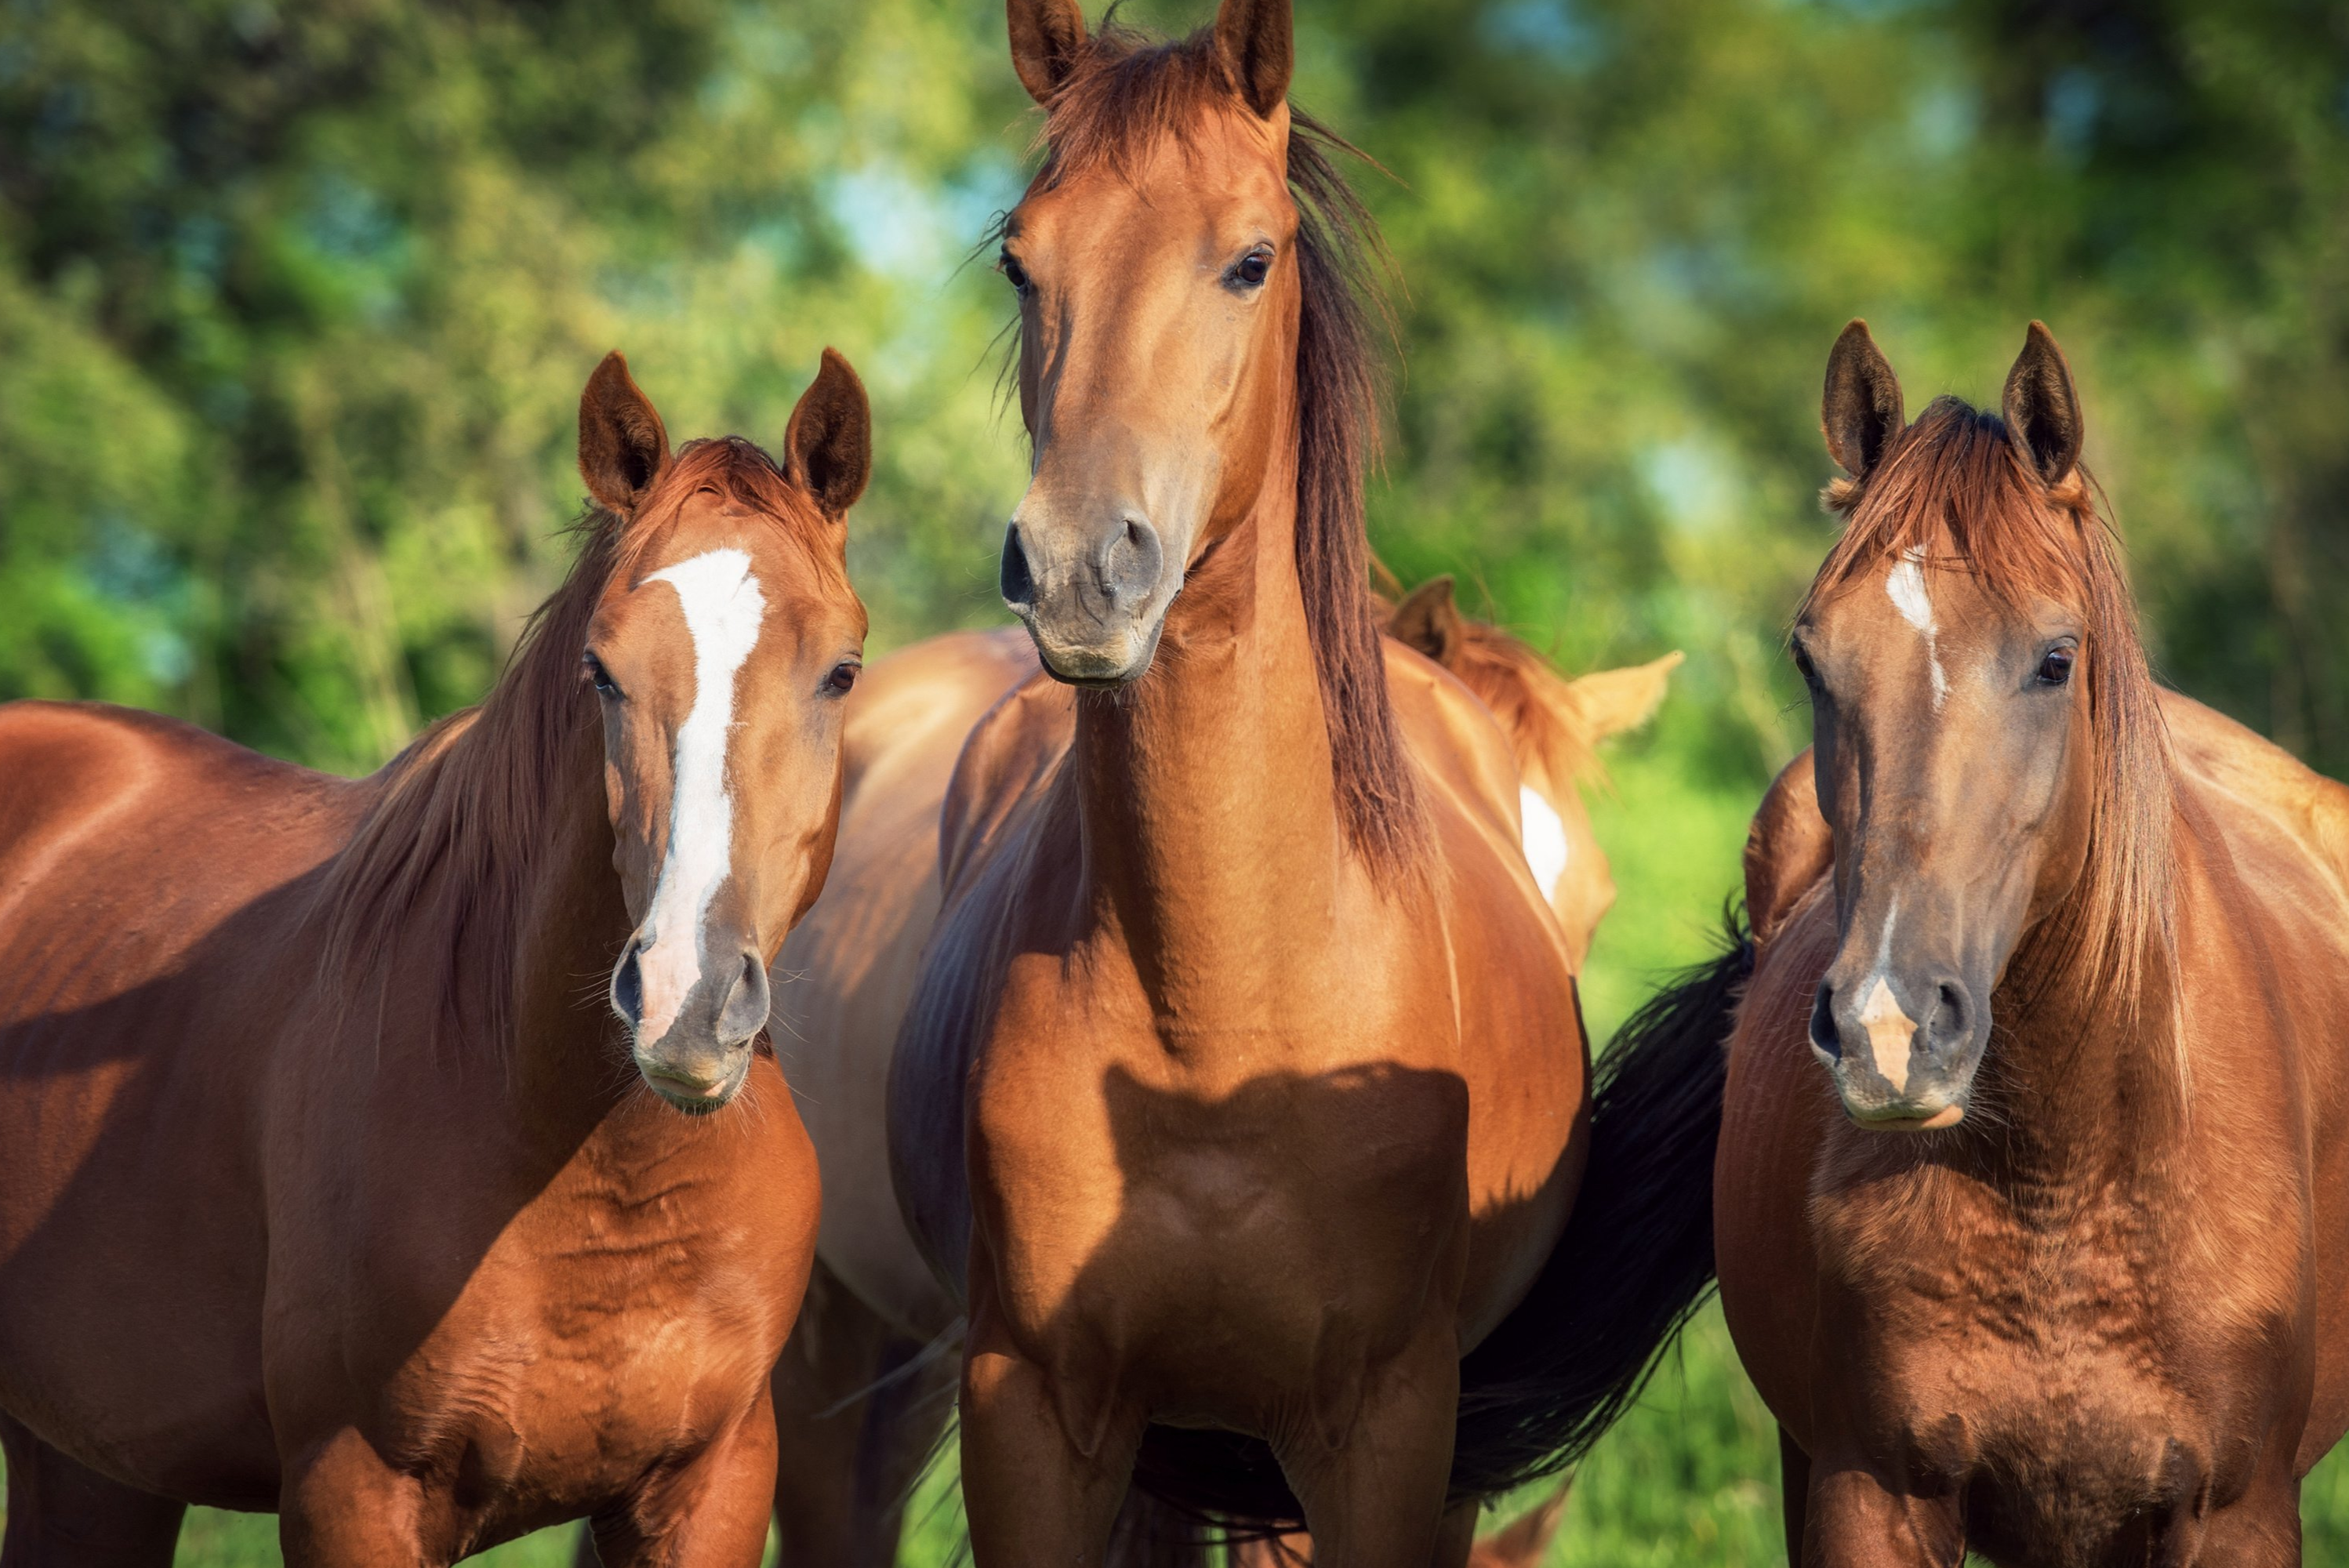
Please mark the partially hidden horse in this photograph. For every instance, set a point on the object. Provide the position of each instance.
(405, 1155)
(1555, 725)
(2033, 1191)
(1242, 1093)
(866, 1385)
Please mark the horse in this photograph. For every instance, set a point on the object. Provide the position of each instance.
(863, 1390)
(1555, 726)
(406, 1155)
(1243, 1092)
(2032, 1193)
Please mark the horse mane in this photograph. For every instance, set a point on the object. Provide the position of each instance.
(1536, 706)
(1956, 485)
(1125, 92)
(457, 827)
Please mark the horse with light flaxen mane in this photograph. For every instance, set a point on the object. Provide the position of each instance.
(1242, 1097)
(2032, 1190)
(327, 1185)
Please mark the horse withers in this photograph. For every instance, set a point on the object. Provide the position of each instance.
(405, 1155)
(2033, 1188)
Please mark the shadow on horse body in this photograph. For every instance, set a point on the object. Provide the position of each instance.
(329, 1180)
(2033, 1186)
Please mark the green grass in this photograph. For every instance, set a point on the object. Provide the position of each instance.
(1690, 1477)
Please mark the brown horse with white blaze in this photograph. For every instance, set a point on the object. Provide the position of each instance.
(2033, 1188)
(327, 1185)
(1243, 1089)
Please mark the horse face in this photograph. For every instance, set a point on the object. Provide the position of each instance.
(720, 657)
(1158, 310)
(1950, 739)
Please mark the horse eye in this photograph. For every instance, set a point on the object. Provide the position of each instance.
(1253, 269)
(1013, 272)
(842, 677)
(598, 676)
(1804, 667)
(2055, 669)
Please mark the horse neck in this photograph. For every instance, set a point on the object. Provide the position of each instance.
(524, 898)
(567, 1055)
(1205, 793)
(2087, 1093)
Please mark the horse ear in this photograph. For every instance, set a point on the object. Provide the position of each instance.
(1862, 410)
(1047, 36)
(828, 446)
(1254, 38)
(1612, 701)
(1428, 620)
(2043, 410)
(623, 446)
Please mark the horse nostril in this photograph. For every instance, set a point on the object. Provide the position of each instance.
(745, 1011)
(1017, 583)
(628, 989)
(1952, 1019)
(1824, 1034)
(1130, 563)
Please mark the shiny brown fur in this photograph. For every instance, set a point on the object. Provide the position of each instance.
(1242, 1085)
(845, 973)
(2104, 1317)
(327, 1185)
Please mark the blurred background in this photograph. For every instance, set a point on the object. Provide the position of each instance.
(296, 301)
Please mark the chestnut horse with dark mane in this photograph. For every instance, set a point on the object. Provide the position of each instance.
(1243, 1091)
(2034, 1186)
(867, 1384)
(329, 1181)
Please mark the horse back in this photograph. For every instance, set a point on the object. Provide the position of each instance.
(2272, 946)
(152, 919)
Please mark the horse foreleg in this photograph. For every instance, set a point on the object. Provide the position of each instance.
(1853, 1518)
(710, 1513)
(64, 1514)
(1794, 1493)
(1377, 1500)
(1032, 1494)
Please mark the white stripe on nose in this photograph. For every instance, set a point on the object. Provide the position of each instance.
(722, 607)
(1545, 839)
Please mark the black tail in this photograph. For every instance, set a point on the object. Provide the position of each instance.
(1635, 1260)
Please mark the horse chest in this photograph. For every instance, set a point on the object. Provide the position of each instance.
(2063, 1380)
(1214, 1231)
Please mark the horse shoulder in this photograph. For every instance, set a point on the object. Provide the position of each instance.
(1789, 848)
(1001, 784)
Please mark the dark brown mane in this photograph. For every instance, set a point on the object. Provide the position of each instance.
(455, 834)
(1955, 486)
(1126, 92)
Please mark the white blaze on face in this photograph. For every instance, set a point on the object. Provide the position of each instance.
(1545, 839)
(1905, 587)
(722, 607)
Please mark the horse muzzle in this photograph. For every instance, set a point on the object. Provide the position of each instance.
(700, 1055)
(1094, 599)
(1902, 1049)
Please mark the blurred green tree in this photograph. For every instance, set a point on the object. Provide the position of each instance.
(293, 302)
